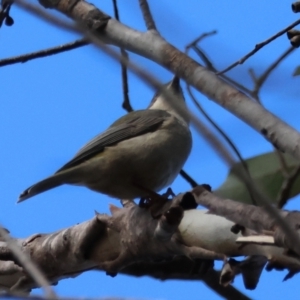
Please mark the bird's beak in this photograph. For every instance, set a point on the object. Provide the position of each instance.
(175, 84)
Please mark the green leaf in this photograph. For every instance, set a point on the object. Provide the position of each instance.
(266, 171)
(297, 71)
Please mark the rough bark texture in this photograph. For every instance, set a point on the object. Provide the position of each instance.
(163, 240)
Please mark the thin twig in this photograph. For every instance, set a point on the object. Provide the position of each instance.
(286, 187)
(43, 53)
(216, 144)
(259, 81)
(199, 38)
(188, 178)
(211, 67)
(224, 135)
(259, 46)
(217, 127)
(208, 63)
(149, 21)
(28, 265)
(126, 101)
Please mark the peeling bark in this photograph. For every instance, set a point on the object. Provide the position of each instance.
(134, 241)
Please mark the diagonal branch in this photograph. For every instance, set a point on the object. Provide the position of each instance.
(188, 178)
(224, 135)
(199, 39)
(43, 53)
(202, 129)
(259, 81)
(209, 65)
(259, 46)
(157, 49)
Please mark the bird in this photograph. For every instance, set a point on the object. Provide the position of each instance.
(139, 154)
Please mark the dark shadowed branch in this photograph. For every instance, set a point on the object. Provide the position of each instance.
(43, 53)
(199, 39)
(188, 178)
(209, 65)
(259, 81)
(259, 46)
(125, 87)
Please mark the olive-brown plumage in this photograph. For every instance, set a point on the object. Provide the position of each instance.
(142, 151)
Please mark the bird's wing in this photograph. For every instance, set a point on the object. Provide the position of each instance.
(130, 125)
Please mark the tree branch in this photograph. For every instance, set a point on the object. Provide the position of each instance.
(259, 81)
(25, 263)
(43, 53)
(126, 101)
(211, 138)
(104, 240)
(152, 46)
(259, 46)
(149, 21)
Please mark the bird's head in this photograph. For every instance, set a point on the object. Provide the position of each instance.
(170, 98)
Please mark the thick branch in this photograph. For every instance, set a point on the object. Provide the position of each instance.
(117, 244)
(155, 48)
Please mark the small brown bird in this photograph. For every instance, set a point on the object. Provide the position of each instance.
(142, 151)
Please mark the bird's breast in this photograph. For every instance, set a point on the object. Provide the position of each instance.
(151, 160)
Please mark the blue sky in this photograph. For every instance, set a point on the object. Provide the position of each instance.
(51, 107)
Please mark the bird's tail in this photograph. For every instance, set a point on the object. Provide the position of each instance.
(44, 185)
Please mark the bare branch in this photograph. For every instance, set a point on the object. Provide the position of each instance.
(104, 240)
(126, 101)
(259, 46)
(216, 144)
(28, 265)
(199, 39)
(211, 67)
(43, 53)
(208, 63)
(224, 135)
(149, 21)
(259, 81)
(218, 128)
(188, 178)
(157, 49)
